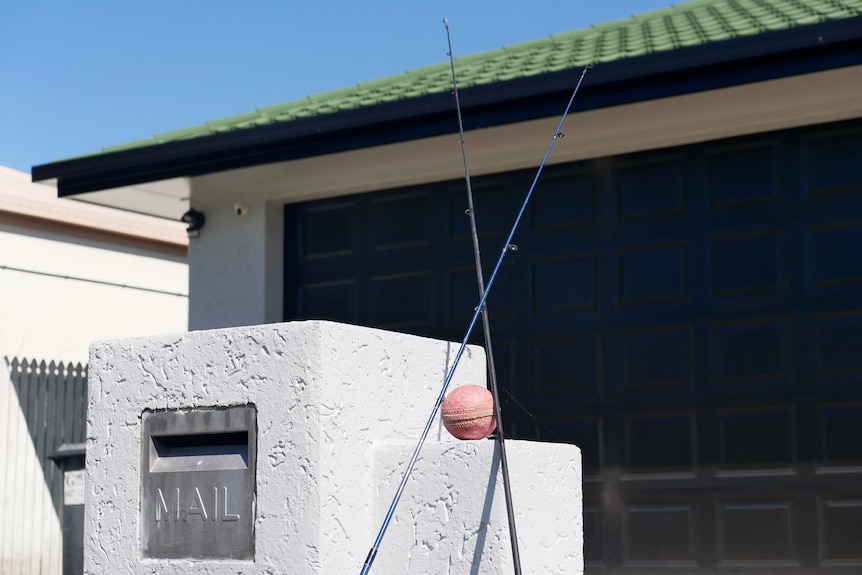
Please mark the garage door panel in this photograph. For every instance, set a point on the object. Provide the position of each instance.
(492, 202)
(566, 365)
(835, 257)
(593, 540)
(832, 171)
(654, 273)
(752, 352)
(329, 300)
(657, 358)
(564, 201)
(756, 441)
(651, 189)
(401, 221)
(690, 318)
(328, 231)
(387, 294)
(748, 265)
(463, 294)
(757, 533)
(660, 534)
(835, 344)
(505, 368)
(565, 283)
(742, 177)
(840, 528)
(839, 438)
(659, 446)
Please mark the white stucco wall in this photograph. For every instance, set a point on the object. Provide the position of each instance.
(339, 410)
(452, 518)
(236, 263)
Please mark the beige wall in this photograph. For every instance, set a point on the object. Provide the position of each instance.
(72, 273)
(53, 318)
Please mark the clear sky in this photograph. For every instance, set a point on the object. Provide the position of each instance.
(78, 75)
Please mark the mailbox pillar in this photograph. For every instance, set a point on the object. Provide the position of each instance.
(273, 449)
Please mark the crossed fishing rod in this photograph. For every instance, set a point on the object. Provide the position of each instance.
(481, 310)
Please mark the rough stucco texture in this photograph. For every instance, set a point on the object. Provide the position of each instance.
(339, 409)
(452, 517)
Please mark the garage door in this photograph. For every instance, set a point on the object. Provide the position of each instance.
(690, 317)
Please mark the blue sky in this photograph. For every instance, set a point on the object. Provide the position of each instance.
(76, 76)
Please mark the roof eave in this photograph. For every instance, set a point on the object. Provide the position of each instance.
(805, 49)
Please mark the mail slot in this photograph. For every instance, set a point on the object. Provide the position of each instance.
(198, 483)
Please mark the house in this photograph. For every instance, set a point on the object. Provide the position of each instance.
(684, 303)
(70, 273)
(75, 272)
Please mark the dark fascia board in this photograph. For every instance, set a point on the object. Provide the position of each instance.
(804, 49)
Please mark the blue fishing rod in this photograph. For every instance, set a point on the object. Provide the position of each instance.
(507, 246)
(486, 326)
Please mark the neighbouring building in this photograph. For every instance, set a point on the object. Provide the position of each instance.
(70, 273)
(685, 301)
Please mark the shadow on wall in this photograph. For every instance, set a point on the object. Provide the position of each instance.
(53, 399)
(486, 513)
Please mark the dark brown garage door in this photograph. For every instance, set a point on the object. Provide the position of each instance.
(691, 318)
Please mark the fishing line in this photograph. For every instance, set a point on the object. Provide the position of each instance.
(486, 327)
(507, 246)
(560, 439)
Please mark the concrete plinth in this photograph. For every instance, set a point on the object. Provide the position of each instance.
(338, 411)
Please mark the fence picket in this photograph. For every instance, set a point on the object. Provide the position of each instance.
(79, 428)
(52, 399)
(68, 423)
(52, 472)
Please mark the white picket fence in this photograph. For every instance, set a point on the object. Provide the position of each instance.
(37, 403)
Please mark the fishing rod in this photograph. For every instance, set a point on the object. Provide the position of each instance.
(507, 246)
(486, 326)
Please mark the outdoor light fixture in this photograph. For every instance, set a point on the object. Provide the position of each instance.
(195, 220)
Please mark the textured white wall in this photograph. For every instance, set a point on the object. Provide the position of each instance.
(452, 518)
(326, 394)
(236, 264)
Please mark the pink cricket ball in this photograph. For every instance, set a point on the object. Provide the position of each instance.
(468, 412)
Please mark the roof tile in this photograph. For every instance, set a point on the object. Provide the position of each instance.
(686, 24)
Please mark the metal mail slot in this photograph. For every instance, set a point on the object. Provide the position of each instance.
(198, 483)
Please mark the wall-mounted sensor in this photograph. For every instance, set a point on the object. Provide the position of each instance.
(240, 209)
(195, 220)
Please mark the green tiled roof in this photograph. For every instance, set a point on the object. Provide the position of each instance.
(687, 24)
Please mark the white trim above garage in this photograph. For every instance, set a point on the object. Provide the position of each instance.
(741, 110)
